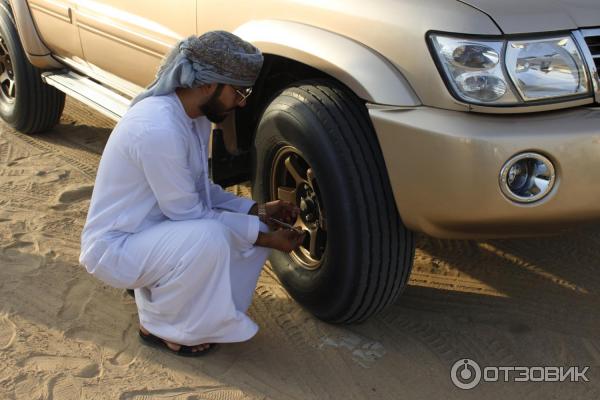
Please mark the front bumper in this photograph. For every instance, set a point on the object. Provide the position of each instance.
(444, 169)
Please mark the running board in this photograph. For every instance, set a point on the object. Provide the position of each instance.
(99, 97)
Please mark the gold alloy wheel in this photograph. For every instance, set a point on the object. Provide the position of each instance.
(293, 180)
(7, 77)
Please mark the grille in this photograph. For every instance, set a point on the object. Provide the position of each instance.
(591, 39)
(593, 43)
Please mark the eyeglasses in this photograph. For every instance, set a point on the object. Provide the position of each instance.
(243, 92)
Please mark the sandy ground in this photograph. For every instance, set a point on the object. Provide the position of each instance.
(64, 335)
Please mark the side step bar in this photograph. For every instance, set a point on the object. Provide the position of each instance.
(100, 98)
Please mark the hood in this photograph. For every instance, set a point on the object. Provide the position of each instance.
(528, 16)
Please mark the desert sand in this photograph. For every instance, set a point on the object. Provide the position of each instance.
(65, 335)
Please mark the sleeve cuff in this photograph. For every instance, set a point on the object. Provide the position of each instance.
(246, 205)
(247, 226)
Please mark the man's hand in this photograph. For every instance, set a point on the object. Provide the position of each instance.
(279, 209)
(283, 211)
(284, 240)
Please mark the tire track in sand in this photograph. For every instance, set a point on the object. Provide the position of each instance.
(74, 154)
(185, 393)
(65, 141)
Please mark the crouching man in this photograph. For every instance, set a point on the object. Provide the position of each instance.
(192, 251)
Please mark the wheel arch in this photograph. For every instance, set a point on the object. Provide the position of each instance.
(296, 52)
(38, 54)
(364, 71)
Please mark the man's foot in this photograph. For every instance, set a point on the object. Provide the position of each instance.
(179, 349)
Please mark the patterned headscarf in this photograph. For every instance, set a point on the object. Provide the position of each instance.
(214, 57)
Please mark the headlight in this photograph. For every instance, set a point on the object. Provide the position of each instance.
(546, 68)
(495, 72)
(474, 69)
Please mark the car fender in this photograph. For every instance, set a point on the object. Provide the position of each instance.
(367, 73)
(38, 54)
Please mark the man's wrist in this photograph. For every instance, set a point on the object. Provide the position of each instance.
(262, 212)
(262, 239)
(259, 209)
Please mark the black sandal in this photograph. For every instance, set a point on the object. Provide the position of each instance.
(184, 351)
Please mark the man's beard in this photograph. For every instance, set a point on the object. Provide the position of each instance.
(213, 109)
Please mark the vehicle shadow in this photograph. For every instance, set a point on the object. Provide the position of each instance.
(527, 301)
(91, 138)
(79, 130)
(543, 282)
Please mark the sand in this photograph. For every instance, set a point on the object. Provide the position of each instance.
(65, 335)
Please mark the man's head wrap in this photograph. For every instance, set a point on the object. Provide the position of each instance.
(214, 57)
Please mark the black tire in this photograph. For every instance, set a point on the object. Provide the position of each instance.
(369, 252)
(32, 106)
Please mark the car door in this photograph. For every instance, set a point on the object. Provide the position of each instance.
(55, 23)
(128, 38)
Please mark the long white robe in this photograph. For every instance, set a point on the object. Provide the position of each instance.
(157, 224)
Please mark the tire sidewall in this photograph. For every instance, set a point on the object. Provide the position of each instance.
(323, 291)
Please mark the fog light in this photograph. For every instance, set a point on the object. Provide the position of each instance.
(527, 177)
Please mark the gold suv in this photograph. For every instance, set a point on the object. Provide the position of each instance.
(459, 119)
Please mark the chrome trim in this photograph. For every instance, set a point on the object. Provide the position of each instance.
(115, 83)
(542, 178)
(580, 36)
(99, 97)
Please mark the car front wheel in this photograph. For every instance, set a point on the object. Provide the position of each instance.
(315, 147)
